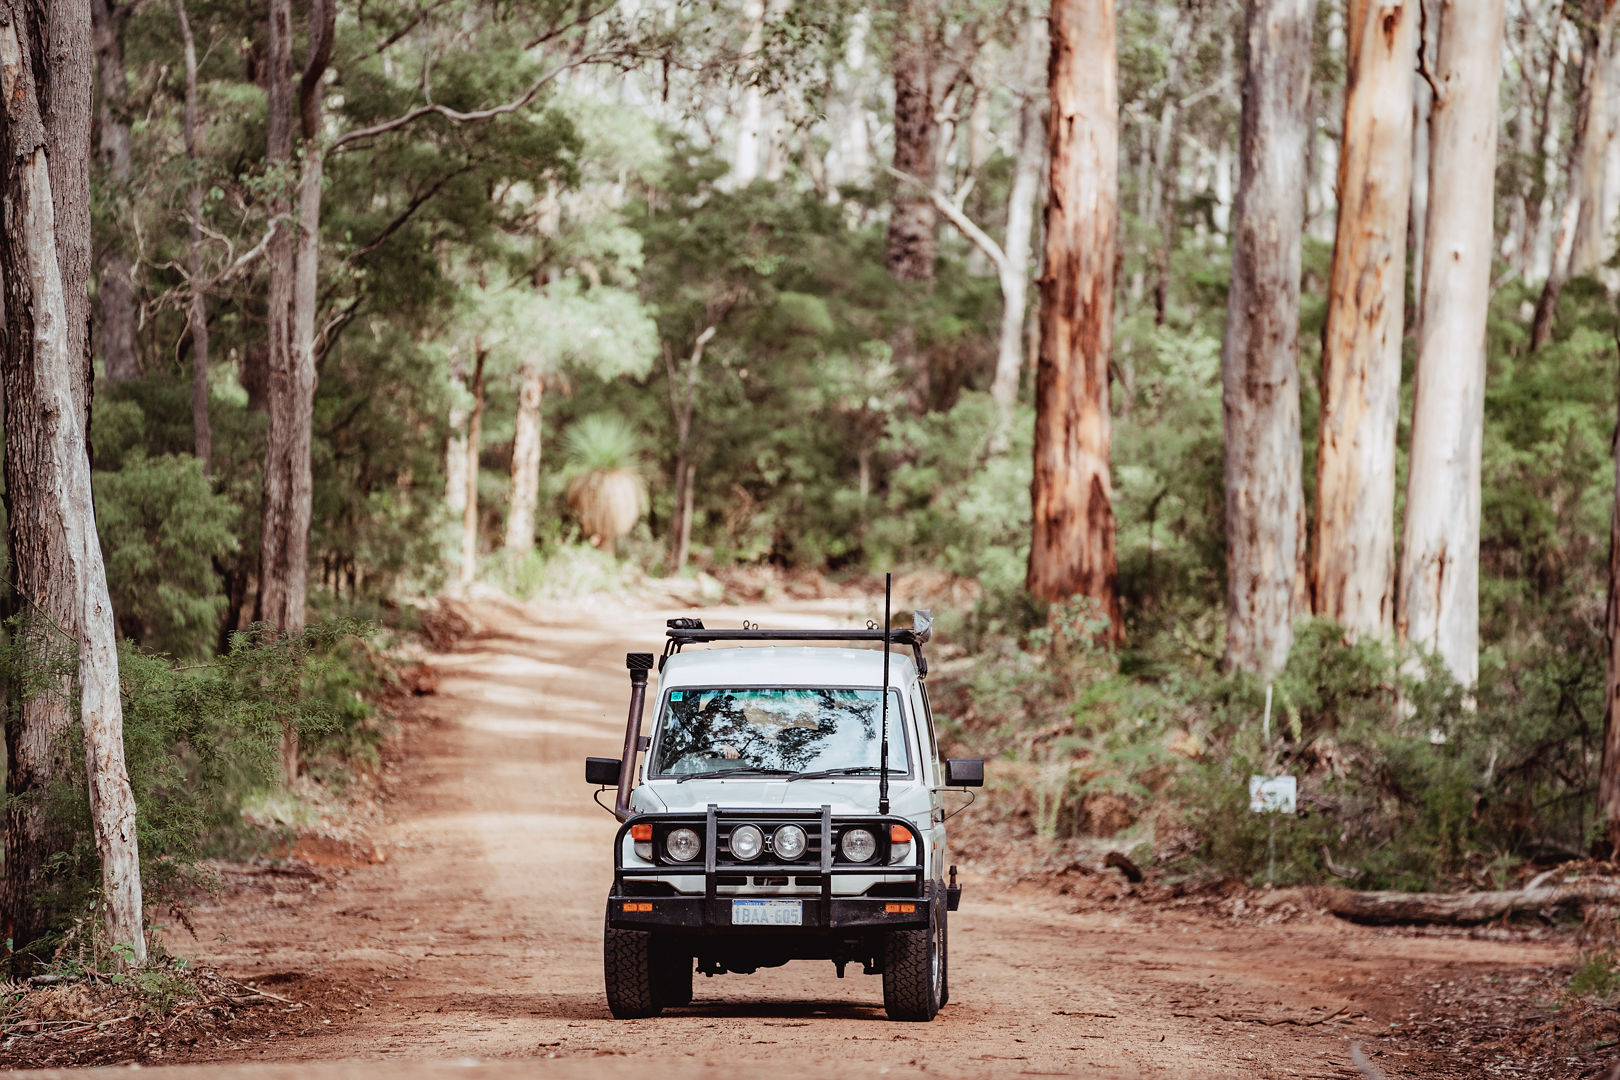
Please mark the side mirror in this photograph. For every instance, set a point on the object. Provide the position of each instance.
(602, 771)
(964, 772)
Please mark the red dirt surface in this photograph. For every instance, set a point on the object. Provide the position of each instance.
(469, 927)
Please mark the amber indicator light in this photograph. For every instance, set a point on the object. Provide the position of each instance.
(891, 909)
(637, 906)
(641, 832)
(899, 834)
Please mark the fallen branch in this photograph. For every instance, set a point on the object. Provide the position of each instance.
(1464, 908)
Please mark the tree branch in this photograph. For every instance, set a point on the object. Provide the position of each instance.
(457, 117)
(405, 215)
(953, 213)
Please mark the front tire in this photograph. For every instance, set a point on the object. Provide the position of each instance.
(914, 970)
(627, 968)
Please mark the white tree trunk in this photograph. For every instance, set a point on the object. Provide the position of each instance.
(45, 435)
(745, 160)
(525, 463)
(1438, 602)
(1353, 562)
(1013, 269)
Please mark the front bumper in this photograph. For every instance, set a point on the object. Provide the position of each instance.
(698, 915)
(904, 904)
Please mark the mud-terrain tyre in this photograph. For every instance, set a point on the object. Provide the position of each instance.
(914, 970)
(627, 969)
(672, 975)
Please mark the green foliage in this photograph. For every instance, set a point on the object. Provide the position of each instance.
(601, 442)
(162, 527)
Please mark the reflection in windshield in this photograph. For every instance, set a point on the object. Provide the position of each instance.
(733, 730)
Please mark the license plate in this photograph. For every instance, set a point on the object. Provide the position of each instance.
(767, 913)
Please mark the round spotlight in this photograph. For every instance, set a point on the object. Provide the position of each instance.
(789, 842)
(747, 842)
(858, 845)
(683, 845)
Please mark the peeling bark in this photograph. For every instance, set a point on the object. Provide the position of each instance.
(50, 514)
(1265, 512)
(1352, 573)
(1072, 549)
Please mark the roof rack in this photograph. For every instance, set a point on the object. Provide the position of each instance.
(689, 631)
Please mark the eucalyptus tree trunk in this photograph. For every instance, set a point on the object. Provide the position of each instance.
(525, 462)
(1166, 187)
(746, 156)
(68, 36)
(455, 447)
(51, 529)
(197, 308)
(1013, 269)
(909, 246)
(288, 485)
(274, 604)
(1072, 544)
(115, 298)
(1265, 512)
(1609, 770)
(475, 443)
(1352, 569)
(1438, 601)
(1580, 242)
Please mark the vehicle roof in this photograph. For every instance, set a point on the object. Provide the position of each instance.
(776, 665)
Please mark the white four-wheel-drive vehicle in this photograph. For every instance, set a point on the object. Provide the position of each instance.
(788, 803)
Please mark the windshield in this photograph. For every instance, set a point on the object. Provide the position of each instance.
(711, 731)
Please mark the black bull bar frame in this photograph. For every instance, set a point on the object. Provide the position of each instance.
(711, 912)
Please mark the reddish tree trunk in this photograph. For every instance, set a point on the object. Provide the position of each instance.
(1072, 544)
(1353, 562)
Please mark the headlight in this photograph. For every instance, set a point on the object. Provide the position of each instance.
(789, 842)
(683, 845)
(747, 842)
(858, 845)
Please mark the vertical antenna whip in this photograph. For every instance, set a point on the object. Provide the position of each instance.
(883, 751)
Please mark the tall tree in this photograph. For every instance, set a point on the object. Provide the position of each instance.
(1265, 513)
(1609, 769)
(115, 298)
(197, 305)
(45, 57)
(1581, 241)
(1072, 544)
(908, 249)
(1438, 602)
(283, 569)
(1352, 572)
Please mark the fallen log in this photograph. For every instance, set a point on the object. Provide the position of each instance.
(1463, 908)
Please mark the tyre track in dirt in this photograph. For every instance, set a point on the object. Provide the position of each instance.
(479, 938)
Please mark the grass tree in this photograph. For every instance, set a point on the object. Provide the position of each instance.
(607, 492)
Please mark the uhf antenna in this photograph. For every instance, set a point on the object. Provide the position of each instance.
(883, 750)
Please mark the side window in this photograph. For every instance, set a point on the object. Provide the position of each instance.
(925, 716)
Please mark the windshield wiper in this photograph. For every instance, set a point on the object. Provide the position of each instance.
(847, 770)
(752, 770)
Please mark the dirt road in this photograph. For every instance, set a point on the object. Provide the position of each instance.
(479, 937)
